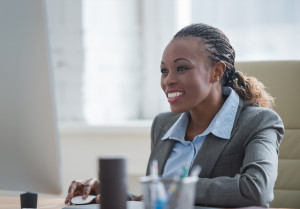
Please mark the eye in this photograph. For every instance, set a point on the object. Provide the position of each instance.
(181, 68)
(163, 70)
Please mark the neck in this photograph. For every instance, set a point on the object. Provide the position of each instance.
(202, 116)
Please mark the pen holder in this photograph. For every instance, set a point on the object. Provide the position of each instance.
(180, 193)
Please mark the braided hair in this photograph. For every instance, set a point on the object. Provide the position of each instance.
(219, 49)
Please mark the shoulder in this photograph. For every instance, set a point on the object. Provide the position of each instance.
(256, 118)
(167, 116)
(259, 114)
(165, 120)
(161, 124)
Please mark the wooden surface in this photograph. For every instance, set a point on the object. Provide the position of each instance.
(8, 202)
(47, 203)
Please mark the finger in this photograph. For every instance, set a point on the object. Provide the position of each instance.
(94, 182)
(86, 191)
(77, 193)
(70, 194)
(97, 199)
(72, 189)
(68, 201)
(91, 186)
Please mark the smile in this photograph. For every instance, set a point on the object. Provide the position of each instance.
(174, 94)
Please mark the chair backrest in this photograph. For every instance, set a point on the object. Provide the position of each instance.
(282, 80)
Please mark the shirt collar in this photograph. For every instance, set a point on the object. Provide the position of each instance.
(177, 131)
(221, 125)
(224, 119)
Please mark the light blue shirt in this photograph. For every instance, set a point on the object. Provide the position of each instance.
(184, 152)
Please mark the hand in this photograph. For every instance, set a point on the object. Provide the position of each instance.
(84, 188)
(137, 198)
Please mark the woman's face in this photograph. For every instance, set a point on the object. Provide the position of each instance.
(186, 75)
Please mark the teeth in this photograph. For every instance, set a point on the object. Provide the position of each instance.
(174, 94)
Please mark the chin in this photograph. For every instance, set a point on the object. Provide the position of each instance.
(177, 110)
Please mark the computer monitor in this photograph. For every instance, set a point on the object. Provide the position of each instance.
(29, 151)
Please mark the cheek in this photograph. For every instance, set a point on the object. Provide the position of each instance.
(162, 83)
(197, 86)
(194, 88)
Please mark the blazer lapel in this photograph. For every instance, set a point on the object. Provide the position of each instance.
(209, 154)
(235, 124)
(212, 148)
(164, 152)
(163, 148)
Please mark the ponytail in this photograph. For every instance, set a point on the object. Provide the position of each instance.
(249, 89)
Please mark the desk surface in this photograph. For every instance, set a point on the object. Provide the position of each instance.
(51, 203)
(14, 203)
(7, 202)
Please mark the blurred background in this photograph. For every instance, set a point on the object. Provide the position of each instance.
(106, 54)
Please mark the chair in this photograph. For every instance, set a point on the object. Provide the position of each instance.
(282, 80)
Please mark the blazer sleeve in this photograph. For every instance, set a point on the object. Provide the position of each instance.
(254, 184)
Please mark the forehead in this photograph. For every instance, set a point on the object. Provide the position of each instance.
(189, 48)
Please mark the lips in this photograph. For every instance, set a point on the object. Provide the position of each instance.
(174, 95)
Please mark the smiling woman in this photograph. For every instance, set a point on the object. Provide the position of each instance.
(231, 135)
(213, 104)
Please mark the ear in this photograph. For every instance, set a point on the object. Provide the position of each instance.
(217, 71)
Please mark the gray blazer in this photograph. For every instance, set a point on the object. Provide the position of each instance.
(238, 172)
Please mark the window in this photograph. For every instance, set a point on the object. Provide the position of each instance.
(106, 54)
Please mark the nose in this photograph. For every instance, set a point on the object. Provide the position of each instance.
(169, 79)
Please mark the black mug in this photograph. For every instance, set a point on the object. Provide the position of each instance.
(28, 200)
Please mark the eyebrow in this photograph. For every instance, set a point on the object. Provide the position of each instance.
(178, 59)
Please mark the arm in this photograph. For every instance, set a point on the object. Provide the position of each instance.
(254, 184)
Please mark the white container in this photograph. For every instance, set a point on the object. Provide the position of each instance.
(180, 193)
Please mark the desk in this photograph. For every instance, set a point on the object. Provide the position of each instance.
(53, 203)
(47, 203)
(7, 202)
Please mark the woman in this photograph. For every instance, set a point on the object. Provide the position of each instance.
(221, 120)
